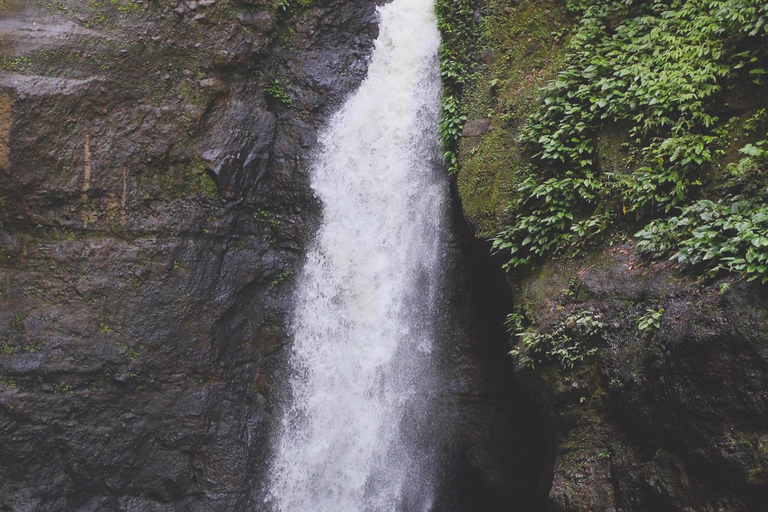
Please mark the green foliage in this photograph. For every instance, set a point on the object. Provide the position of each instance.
(747, 176)
(282, 276)
(747, 16)
(456, 24)
(666, 185)
(543, 228)
(658, 73)
(564, 344)
(650, 321)
(270, 218)
(290, 5)
(730, 235)
(450, 130)
(105, 328)
(573, 288)
(275, 91)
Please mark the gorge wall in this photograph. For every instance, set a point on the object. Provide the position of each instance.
(154, 206)
(154, 210)
(651, 374)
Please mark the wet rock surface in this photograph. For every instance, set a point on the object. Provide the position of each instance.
(497, 440)
(652, 379)
(154, 206)
(659, 418)
(154, 211)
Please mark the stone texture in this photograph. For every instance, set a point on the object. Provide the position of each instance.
(671, 421)
(151, 193)
(668, 419)
(476, 127)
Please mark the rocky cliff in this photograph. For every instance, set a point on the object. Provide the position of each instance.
(154, 207)
(154, 210)
(597, 139)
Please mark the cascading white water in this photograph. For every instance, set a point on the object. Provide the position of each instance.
(361, 369)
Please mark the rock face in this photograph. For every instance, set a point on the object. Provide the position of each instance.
(153, 208)
(652, 380)
(498, 443)
(660, 418)
(476, 127)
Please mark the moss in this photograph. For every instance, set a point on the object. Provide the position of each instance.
(16, 340)
(522, 50)
(183, 179)
(192, 93)
(16, 64)
(106, 12)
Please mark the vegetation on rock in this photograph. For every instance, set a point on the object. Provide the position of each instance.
(563, 343)
(666, 73)
(458, 30)
(660, 72)
(641, 126)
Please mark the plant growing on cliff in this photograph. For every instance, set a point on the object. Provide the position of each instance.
(282, 276)
(289, 5)
(543, 226)
(456, 24)
(564, 344)
(275, 91)
(730, 235)
(650, 321)
(658, 71)
(272, 219)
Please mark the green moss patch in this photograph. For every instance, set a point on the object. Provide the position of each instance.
(521, 48)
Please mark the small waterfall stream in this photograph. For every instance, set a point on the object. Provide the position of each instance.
(356, 434)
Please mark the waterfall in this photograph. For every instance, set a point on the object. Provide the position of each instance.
(357, 433)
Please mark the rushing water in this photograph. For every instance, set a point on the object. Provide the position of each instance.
(356, 435)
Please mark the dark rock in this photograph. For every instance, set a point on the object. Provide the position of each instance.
(145, 331)
(612, 155)
(669, 420)
(499, 437)
(138, 182)
(614, 20)
(533, 48)
(488, 56)
(476, 127)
